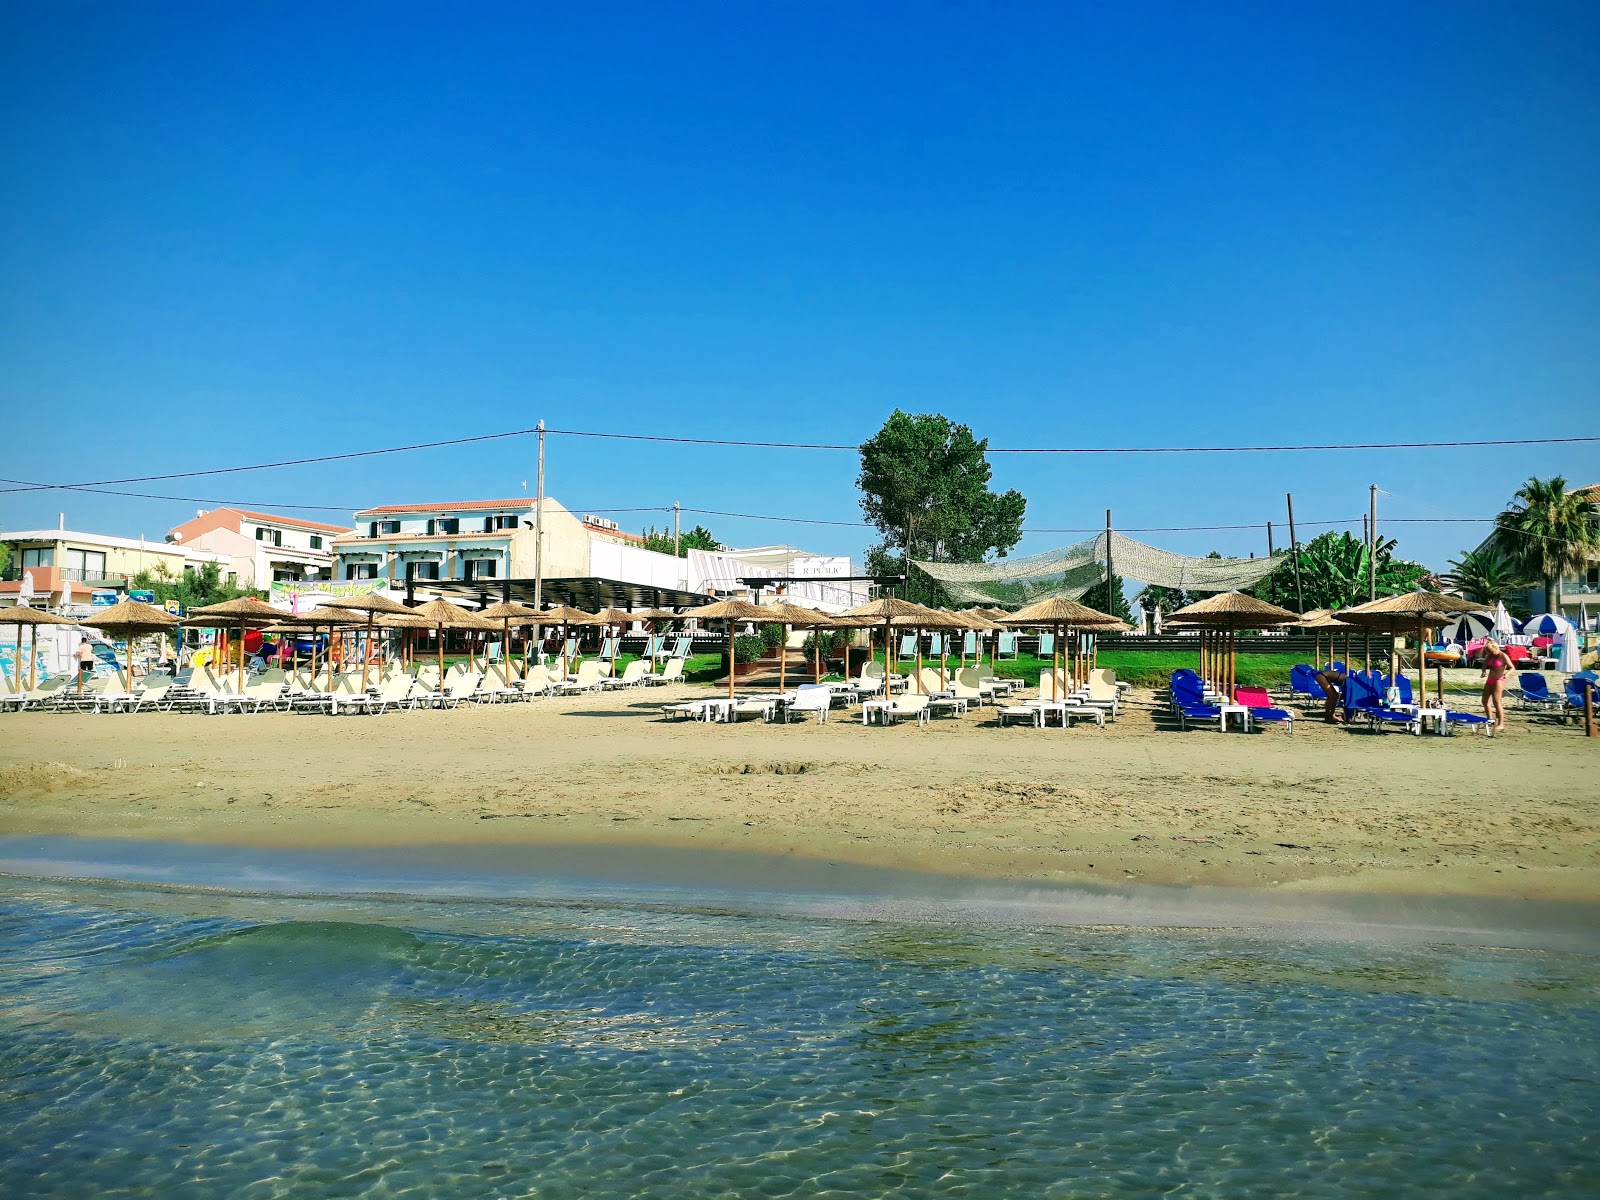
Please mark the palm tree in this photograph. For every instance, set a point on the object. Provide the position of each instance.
(1485, 576)
(1548, 532)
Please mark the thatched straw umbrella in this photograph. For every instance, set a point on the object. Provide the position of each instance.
(944, 622)
(333, 618)
(892, 611)
(1401, 614)
(566, 616)
(733, 612)
(1060, 614)
(21, 615)
(370, 603)
(441, 615)
(130, 618)
(510, 613)
(1219, 619)
(244, 613)
(793, 615)
(405, 624)
(618, 619)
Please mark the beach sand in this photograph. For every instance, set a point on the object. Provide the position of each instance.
(1327, 809)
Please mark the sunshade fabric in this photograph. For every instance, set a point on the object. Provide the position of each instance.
(1072, 570)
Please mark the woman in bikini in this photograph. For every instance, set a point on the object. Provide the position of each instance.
(1497, 666)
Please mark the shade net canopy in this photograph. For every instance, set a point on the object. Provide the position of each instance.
(1071, 571)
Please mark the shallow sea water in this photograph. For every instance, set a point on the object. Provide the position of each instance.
(180, 1042)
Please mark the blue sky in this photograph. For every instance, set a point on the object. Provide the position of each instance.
(239, 233)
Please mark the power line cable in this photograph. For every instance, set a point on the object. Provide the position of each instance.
(21, 485)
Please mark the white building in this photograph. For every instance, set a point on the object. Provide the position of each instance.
(262, 548)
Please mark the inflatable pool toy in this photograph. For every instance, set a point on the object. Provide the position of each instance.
(1443, 656)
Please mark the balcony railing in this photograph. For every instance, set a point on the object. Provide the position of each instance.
(13, 574)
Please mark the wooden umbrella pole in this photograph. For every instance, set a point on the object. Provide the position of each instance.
(732, 625)
(1056, 661)
(1421, 666)
(33, 656)
(783, 660)
(127, 685)
(439, 632)
(919, 660)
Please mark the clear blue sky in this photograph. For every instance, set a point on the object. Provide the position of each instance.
(234, 233)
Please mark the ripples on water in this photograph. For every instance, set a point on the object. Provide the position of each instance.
(162, 1043)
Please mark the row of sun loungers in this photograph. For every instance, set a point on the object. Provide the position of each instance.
(300, 691)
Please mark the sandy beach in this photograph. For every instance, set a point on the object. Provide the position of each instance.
(1328, 809)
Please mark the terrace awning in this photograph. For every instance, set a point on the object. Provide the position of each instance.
(590, 594)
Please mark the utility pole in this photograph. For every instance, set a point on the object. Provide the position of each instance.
(1372, 542)
(1294, 556)
(1269, 539)
(538, 543)
(676, 513)
(1109, 605)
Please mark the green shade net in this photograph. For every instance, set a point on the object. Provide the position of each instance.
(1072, 570)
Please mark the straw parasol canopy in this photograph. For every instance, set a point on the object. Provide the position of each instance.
(1233, 610)
(509, 613)
(566, 616)
(794, 615)
(131, 617)
(1408, 611)
(243, 613)
(656, 614)
(441, 615)
(1059, 613)
(370, 603)
(1219, 619)
(21, 615)
(892, 611)
(1322, 618)
(733, 612)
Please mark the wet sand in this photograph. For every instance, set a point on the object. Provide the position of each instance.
(1329, 809)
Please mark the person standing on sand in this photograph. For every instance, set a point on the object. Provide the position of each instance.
(1497, 666)
(85, 662)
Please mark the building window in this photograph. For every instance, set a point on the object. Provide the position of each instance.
(372, 529)
(316, 541)
(425, 570)
(43, 556)
(391, 527)
(450, 526)
(496, 523)
(233, 579)
(275, 536)
(85, 564)
(479, 568)
(1592, 577)
(361, 570)
(285, 574)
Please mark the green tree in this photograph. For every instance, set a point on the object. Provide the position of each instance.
(5, 557)
(698, 538)
(1167, 599)
(1333, 573)
(194, 588)
(925, 485)
(1115, 602)
(1548, 532)
(1486, 576)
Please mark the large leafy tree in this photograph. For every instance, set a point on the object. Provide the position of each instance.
(1486, 576)
(1548, 532)
(925, 484)
(1333, 573)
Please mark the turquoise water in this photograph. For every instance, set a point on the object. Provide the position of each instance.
(178, 1042)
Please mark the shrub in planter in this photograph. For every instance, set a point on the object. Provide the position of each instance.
(772, 636)
(749, 648)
